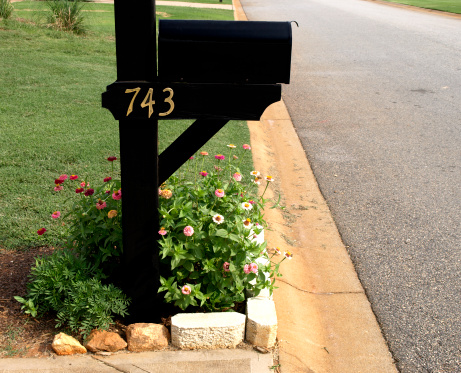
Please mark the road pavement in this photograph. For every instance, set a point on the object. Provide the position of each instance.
(375, 99)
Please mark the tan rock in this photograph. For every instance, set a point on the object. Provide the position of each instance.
(147, 337)
(102, 340)
(64, 344)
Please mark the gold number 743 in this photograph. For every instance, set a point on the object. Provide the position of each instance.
(149, 102)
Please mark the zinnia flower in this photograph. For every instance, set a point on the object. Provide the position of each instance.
(191, 157)
(237, 176)
(203, 153)
(41, 231)
(188, 231)
(247, 223)
(117, 195)
(269, 178)
(73, 177)
(218, 219)
(254, 173)
(220, 157)
(63, 177)
(57, 188)
(246, 147)
(246, 268)
(235, 157)
(166, 193)
(226, 267)
(79, 190)
(112, 214)
(186, 289)
(247, 205)
(106, 179)
(232, 146)
(101, 204)
(203, 173)
(217, 168)
(277, 251)
(256, 180)
(111, 159)
(288, 255)
(83, 184)
(254, 267)
(56, 214)
(162, 231)
(58, 181)
(251, 201)
(89, 192)
(219, 193)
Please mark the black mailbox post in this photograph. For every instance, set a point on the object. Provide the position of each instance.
(211, 71)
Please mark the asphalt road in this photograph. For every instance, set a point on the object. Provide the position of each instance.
(376, 100)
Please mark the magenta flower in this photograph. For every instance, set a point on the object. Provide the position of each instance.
(186, 289)
(73, 177)
(162, 231)
(101, 204)
(246, 268)
(41, 231)
(191, 158)
(106, 179)
(220, 157)
(203, 173)
(79, 190)
(57, 188)
(56, 214)
(89, 192)
(246, 147)
(226, 267)
(251, 201)
(188, 231)
(117, 195)
(63, 177)
(219, 193)
(237, 176)
(111, 159)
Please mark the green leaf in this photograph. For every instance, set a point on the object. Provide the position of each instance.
(222, 233)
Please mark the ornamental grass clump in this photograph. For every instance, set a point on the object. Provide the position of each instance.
(6, 9)
(210, 223)
(66, 15)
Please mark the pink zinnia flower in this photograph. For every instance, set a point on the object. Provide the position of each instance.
(219, 193)
(246, 147)
(186, 289)
(111, 159)
(117, 195)
(254, 267)
(79, 190)
(217, 168)
(162, 231)
(246, 268)
(226, 267)
(220, 157)
(73, 177)
(101, 204)
(251, 201)
(41, 231)
(89, 192)
(106, 179)
(83, 184)
(237, 176)
(56, 214)
(203, 173)
(188, 231)
(191, 157)
(63, 177)
(57, 188)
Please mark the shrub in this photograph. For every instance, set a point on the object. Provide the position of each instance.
(5, 9)
(66, 15)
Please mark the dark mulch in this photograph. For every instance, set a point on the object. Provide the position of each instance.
(20, 334)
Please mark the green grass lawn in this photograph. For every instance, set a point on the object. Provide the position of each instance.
(51, 120)
(452, 6)
(228, 2)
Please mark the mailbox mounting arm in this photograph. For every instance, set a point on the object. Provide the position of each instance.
(186, 145)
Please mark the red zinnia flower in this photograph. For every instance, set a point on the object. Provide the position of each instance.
(73, 177)
(58, 181)
(111, 159)
(117, 195)
(89, 192)
(79, 190)
(41, 231)
(106, 179)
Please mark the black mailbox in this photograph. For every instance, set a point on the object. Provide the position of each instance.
(224, 51)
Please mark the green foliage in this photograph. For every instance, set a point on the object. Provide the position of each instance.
(28, 306)
(6, 8)
(70, 286)
(66, 15)
(212, 267)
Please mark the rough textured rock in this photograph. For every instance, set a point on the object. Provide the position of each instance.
(64, 344)
(207, 330)
(147, 337)
(101, 340)
(261, 328)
